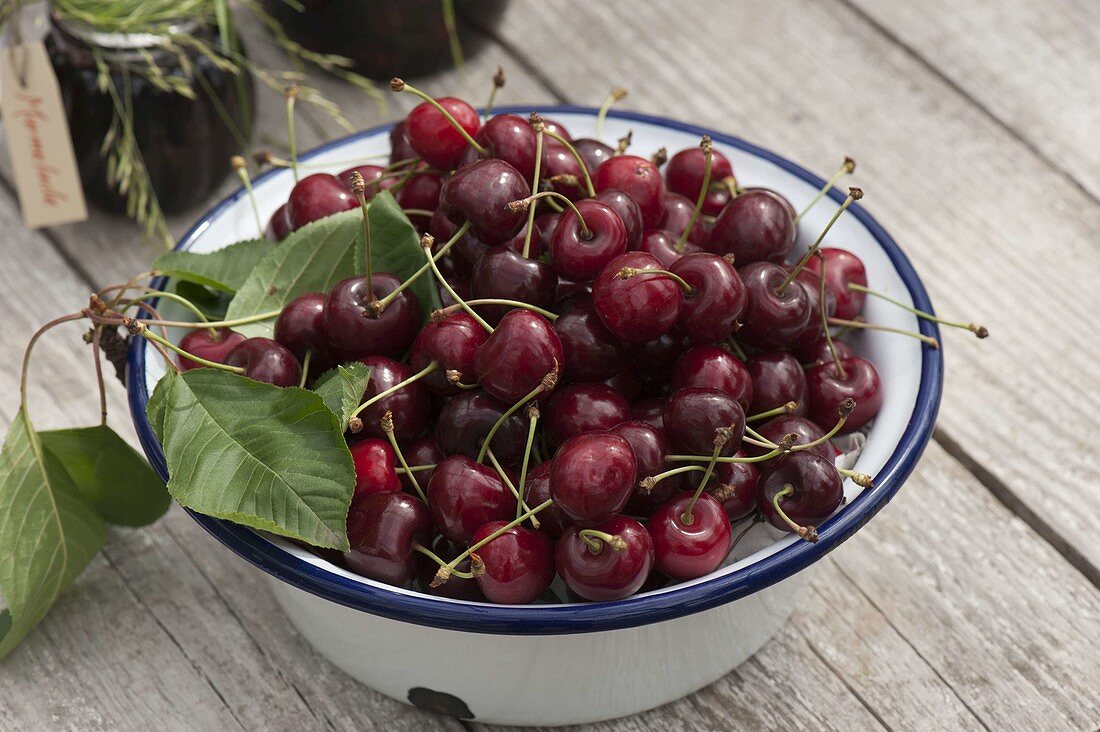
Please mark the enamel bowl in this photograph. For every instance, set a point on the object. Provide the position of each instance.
(553, 664)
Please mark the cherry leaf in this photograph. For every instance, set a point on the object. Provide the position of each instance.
(342, 388)
(225, 269)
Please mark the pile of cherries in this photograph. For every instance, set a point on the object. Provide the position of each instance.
(578, 407)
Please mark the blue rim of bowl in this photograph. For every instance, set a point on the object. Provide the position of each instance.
(581, 617)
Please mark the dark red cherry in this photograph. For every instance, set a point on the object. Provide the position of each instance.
(463, 495)
(536, 490)
(502, 273)
(713, 368)
(658, 355)
(375, 177)
(278, 226)
(662, 245)
(627, 383)
(480, 193)
(650, 445)
(411, 404)
(776, 428)
(842, 268)
(628, 211)
(519, 564)
(466, 419)
(818, 352)
(733, 485)
(686, 170)
(355, 330)
(676, 213)
(712, 311)
(510, 138)
(562, 170)
(518, 355)
(578, 408)
(375, 467)
(420, 191)
(211, 344)
(594, 152)
(638, 308)
(424, 450)
(685, 551)
(826, 388)
(400, 149)
(816, 490)
(456, 588)
(432, 135)
(300, 327)
(692, 415)
(772, 318)
(266, 360)
(651, 411)
(452, 342)
(540, 240)
(814, 330)
(465, 252)
(590, 351)
(756, 226)
(381, 530)
(577, 256)
(599, 571)
(777, 378)
(315, 197)
(639, 179)
(592, 476)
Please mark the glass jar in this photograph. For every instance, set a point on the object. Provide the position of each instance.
(185, 143)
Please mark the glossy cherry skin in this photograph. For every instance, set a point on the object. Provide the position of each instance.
(558, 164)
(433, 137)
(686, 551)
(638, 308)
(756, 226)
(639, 179)
(818, 489)
(606, 574)
(510, 138)
(628, 211)
(381, 530)
(662, 245)
(211, 346)
(420, 191)
(540, 239)
(411, 404)
(466, 419)
(590, 351)
(713, 309)
(592, 476)
(480, 193)
(518, 355)
(452, 342)
(594, 152)
(400, 149)
(578, 408)
(818, 352)
(814, 330)
(536, 490)
(676, 215)
(772, 319)
(354, 331)
(375, 176)
(651, 411)
(456, 588)
(300, 327)
(278, 226)
(686, 170)
(577, 257)
(841, 269)
(266, 360)
(650, 445)
(424, 450)
(826, 389)
(519, 564)
(315, 197)
(734, 486)
(713, 368)
(776, 428)
(464, 253)
(777, 378)
(502, 273)
(375, 467)
(692, 415)
(463, 495)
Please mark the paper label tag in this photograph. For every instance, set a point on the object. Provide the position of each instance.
(37, 132)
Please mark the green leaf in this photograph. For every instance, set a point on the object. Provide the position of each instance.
(212, 303)
(270, 458)
(342, 388)
(48, 534)
(225, 269)
(110, 474)
(395, 248)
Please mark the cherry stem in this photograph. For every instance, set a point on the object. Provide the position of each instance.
(156, 294)
(498, 84)
(580, 161)
(97, 332)
(305, 370)
(978, 330)
(238, 163)
(500, 301)
(291, 94)
(825, 319)
(860, 325)
(434, 365)
(387, 426)
(415, 469)
(521, 505)
(763, 441)
(846, 168)
(845, 409)
(448, 569)
(861, 479)
(624, 142)
(398, 85)
(540, 129)
(418, 547)
(417, 212)
(722, 435)
(776, 451)
(737, 349)
(708, 156)
(525, 204)
(809, 533)
(359, 188)
(532, 424)
(546, 384)
(854, 194)
(612, 97)
(380, 305)
(648, 484)
(627, 272)
(596, 539)
(215, 324)
(137, 327)
(452, 35)
(426, 244)
(787, 408)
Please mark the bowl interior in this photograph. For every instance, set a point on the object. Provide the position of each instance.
(910, 374)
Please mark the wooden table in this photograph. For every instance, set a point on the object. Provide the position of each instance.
(971, 602)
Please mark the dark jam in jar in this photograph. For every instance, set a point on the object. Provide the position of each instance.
(185, 143)
(387, 39)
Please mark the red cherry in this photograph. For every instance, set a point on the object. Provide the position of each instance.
(536, 491)
(424, 450)
(638, 308)
(580, 256)
(692, 416)
(776, 428)
(594, 152)
(814, 491)
(464, 495)
(712, 311)
(734, 486)
(519, 564)
(756, 226)
(628, 211)
(510, 138)
(375, 467)
(639, 179)
(662, 245)
(381, 530)
(841, 269)
(676, 215)
(590, 351)
(827, 388)
(650, 445)
(713, 368)
(466, 419)
(480, 193)
(355, 330)
(518, 355)
(300, 327)
(685, 173)
(266, 360)
(315, 197)
(452, 342)
(456, 588)
(278, 226)
(686, 551)
(420, 191)
(411, 404)
(375, 177)
(777, 378)
(432, 135)
(818, 352)
(502, 273)
(213, 346)
(400, 149)
(609, 572)
(592, 476)
(772, 318)
(578, 408)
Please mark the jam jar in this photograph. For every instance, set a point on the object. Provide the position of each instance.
(185, 143)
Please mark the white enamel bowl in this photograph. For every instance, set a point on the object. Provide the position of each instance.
(574, 663)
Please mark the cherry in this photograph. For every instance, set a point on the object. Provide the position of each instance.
(466, 419)
(502, 273)
(756, 226)
(420, 191)
(400, 149)
(658, 355)
(602, 570)
(650, 445)
(592, 476)
(818, 352)
(536, 491)
(773, 317)
(456, 587)
(518, 564)
(433, 136)
(382, 528)
(480, 193)
(581, 408)
(676, 213)
(375, 467)
(451, 341)
(463, 495)
(540, 241)
(510, 138)
(712, 310)
(266, 360)
(628, 211)
(590, 351)
(841, 269)
(213, 344)
(300, 327)
(580, 249)
(375, 177)
(411, 404)
(827, 388)
(424, 450)
(562, 170)
(777, 378)
(278, 226)
(662, 245)
(809, 488)
(734, 486)
(593, 152)
(685, 173)
(639, 179)
(713, 368)
(355, 329)
(805, 431)
(464, 253)
(518, 356)
(315, 197)
(692, 415)
(688, 550)
(627, 383)
(814, 330)
(641, 307)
